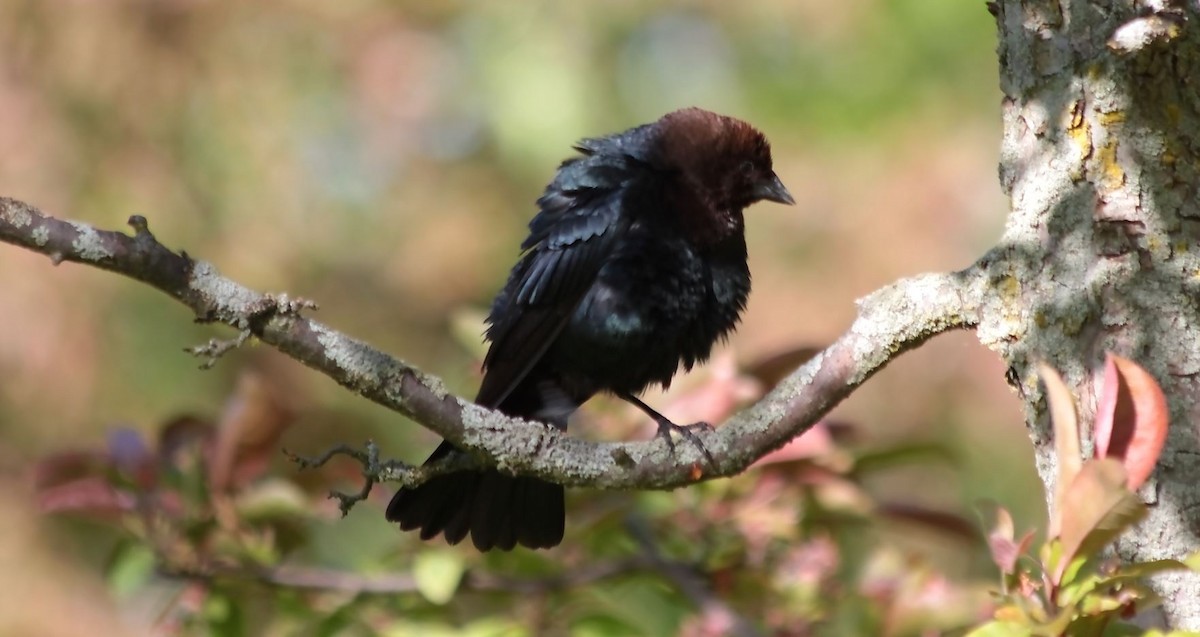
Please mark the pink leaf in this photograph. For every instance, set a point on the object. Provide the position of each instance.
(66, 466)
(1097, 508)
(248, 434)
(1004, 549)
(1131, 420)
(1066, 439)
(90, 495)
(815, 443)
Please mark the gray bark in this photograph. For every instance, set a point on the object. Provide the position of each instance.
(1101, 156)
(891, 321)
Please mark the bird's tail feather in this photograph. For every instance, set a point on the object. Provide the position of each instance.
(497, 510)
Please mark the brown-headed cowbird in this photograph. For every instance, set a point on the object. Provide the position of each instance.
(635, 264)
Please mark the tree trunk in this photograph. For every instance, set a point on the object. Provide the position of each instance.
(1101, 157)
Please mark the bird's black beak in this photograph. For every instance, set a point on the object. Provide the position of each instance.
(771, 189)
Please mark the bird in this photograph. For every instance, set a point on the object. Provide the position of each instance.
(634, 266)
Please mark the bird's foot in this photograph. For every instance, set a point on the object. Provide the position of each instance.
(666, 428)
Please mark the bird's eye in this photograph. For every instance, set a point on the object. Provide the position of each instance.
(746, 167)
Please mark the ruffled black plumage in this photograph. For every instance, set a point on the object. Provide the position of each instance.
(634, 265)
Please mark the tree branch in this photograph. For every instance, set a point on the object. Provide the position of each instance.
(891, 321)
(691, 580)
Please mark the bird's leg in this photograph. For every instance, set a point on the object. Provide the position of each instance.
(665, 426)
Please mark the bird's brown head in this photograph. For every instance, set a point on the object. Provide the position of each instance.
(726, 159)
(722, 165)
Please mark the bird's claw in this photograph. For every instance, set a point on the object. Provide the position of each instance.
(666, 428)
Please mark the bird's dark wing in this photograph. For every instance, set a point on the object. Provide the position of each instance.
(569, 240)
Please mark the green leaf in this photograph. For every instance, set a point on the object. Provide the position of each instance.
(1099, 605)
(336, 623)
(602, 626)
(130, 569)
(1121, 629)
(1058, 624)
(494, 627)
(1139, 570)
(271, 499)
(1083, 568)
(641, 603)
(406, 628)
(438, 574)
(259, 548)
(224, 616)
(1077, 583)
(1051, 555)
(1001, 629)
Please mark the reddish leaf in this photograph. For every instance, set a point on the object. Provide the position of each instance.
(1022, 547)
(1005, 551)
(1131, 420)
(67, 466)
(92, 495)
(811, 561)
(722, 390)
(248, 433)
(814, 443)
(1097, 508)
(181, 433)
(1066, 439)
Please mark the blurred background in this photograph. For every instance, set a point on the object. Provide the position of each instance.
(382, 159)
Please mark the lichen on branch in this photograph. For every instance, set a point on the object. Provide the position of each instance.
(892, 320)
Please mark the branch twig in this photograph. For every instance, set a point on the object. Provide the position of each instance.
(892, 320)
